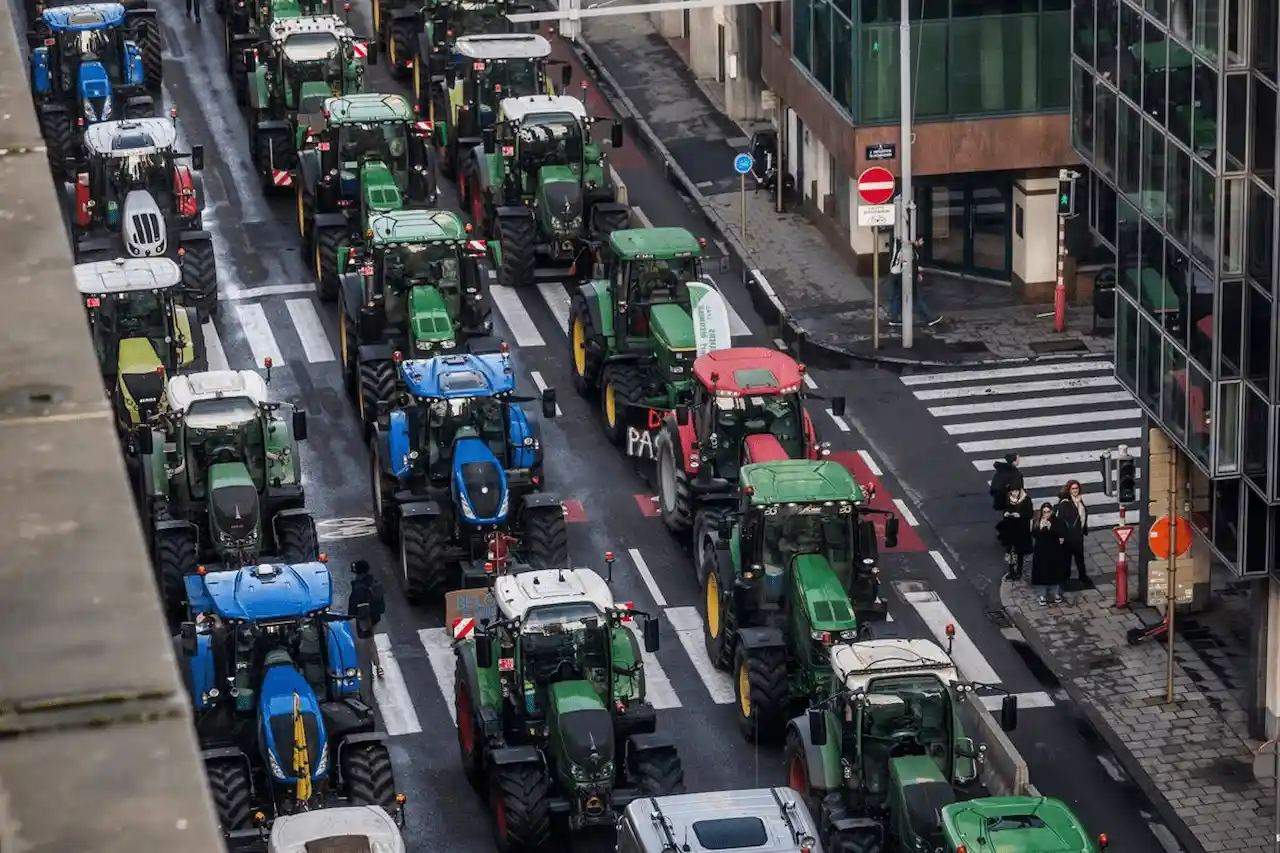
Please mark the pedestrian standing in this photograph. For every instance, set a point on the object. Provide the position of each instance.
(196, 5)
(1074, 516)
(1006, 478)
(366, 589)
(919, 310)
(1049, 568)
(1014, 531)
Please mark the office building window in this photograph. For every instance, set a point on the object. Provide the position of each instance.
(1174, 401)
(1083, 34)
(1082, 109)
(1150, 376)
(1228, 428)
(842, 61)
(1127, 344)
(1262, 130)
(1257, 350)
(1199, 414)
(1230, 329)
(801, 31)
(1200, 313)
(1205, 30)
(1260, 242)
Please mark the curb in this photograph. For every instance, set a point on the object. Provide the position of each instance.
(1175, 824)
(763, 297)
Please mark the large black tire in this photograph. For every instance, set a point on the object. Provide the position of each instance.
(518, 796)
(860, 840)
(55, 126)
(763, 714)
(717, 624)
(658, 772)
(367, 773)
(382, 486)
(274, 149)
(621, 387)
(176, 558)
(422, 565)
(328, 243)
(148, 36)
(296, 539)
(675, 498)
(797, 765)
(517, 236)
(400, 41)
(235, 62)
(586, 348)
(377, 383)
(606, 222)
(200, 275)
(470, 742)
(546, 538)
(232, 789)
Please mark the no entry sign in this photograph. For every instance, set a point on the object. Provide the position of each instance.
(876, 185)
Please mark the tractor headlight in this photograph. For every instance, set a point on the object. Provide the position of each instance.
(467, 512)
(276, 771)
(502, 508)
(528, 441)
(423, 346)
(322, 764)
(352, 672)
(447, 345)
(849, 636)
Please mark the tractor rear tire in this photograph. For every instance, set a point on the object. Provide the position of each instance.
(621, 387)
(608, 221)
(587, 364)
(400, 42)
(658, 772)
(148, 36)
(518, 796)
(856, 841)
(377, 383)
(385, 520)
(470, 742)
(328, 242)
(296, 539)
(422, 564)
(176, 557)
(55, 126)
(797, 765)
(200, 275)
(368, 775)
(719, 646)
(517, 236)
(675, 498)
(546, 538)
(764, 672)
(232, 789)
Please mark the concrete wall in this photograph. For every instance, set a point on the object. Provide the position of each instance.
(1164, 462)
(1035, 252)
(739, 29)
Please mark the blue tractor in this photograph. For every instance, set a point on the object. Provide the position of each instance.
(89, 63)
(275, 686)
(457, 474)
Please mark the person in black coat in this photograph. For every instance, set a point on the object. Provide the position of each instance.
(1074, 516)
(1014, 531)
(365, 589)
(1049, 569)
(1006, 478)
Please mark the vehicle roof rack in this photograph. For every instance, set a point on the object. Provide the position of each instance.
(661, 820)
(788, 815)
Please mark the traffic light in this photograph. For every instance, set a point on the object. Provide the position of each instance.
(1067, 196)
(1127, 483)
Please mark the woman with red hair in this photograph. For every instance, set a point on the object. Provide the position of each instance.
(1073, 515)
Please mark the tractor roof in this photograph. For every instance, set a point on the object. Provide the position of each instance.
(451, 377)
(799, 481)
(216, 385)
(494, 46)
(1054, 828)
(854, 663)
(549, 590)
(298, 35)
(127, 275)
(748, 371)
(518, 109)
(130, 136)
(700, 821)
(368, 108)
(84, 16)
(654, 243)
(262, 593)
(416, 226)
(367, 827)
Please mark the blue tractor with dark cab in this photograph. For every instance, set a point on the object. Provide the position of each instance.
(456, 464)
(275, 686)
(89, 63)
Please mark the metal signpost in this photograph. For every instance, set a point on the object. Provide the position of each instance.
(742, 164)
(1170, 538)
(876, 186)
(906, 138)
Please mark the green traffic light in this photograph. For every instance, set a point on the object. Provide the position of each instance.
(1064, 200)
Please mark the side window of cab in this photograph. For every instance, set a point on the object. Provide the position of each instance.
(627, 840)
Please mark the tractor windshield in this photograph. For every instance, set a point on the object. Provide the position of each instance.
(551, 139)
(224, 430)
(138, 314)
(739, 417)
(506, 78)
(794, 529)
(311, 47)
(918, 723)
(422, 263)
(386, 142)
(485, 416)
(94, 46)
(140, 172)
(661, 281)
(565, 641)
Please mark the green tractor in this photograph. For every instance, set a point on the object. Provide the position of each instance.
(293, 70)
(418, 37)
(787, 575)
(221, 481)
(551, 709)
(415, 288)
(540, 186)
(1032, 823)
(365, 154)
(244, 22)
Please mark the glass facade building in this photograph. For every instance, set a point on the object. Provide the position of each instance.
(1174, 107)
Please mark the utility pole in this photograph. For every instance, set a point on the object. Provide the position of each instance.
(907, 217)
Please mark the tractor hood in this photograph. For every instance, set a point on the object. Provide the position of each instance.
(233, 505)
(311, 97)
(925, 791)
(262, 593)
(560, 193)
(285, 700)
(141, 376)
(826, 599)
(381, 192)
(144, 229)
(479, 483)
(584, 729)
(672, 326)
(1042, 824)
(95, 93)
(429, 321)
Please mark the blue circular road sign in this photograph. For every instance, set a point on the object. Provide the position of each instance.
(742, 163)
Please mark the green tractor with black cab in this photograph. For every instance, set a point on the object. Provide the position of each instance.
(551, 711)
(540, 185)
(245, 21)
(418, 37)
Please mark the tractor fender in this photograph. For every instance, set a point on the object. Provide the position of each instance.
(363, 737)
(591, 296)
(136, 10)
(352, 298)
(199, 349)
(538, 500)
(187, 237)
(403, 12)
(292, 512)
(823, 775)
(223, 752)
(858, 825)
(139, 103)
(490, 718)
(162, 527)
(514, 212)
(610, 207)
(640, 743)
(309, 168)
(276, 124)
(420, 509)
(376, 352)
(761, 638)
(509, 755)
(330, 220)
(244, 41)
(688, 437)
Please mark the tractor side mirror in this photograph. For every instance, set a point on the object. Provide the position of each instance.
(250, 62)
(566, 76)
(891, 532)
(868, 547)
(371, 58)
(188, 633)
(490, 140)
(450, 77)
(837, 406)
(682, 415)
(1009, 712)
(817, 726)
(615, 135)
(299, 425)
(145, 440)
(197, 157)
(548, 403)
(484, 651)
(364, 619)
(651, 635)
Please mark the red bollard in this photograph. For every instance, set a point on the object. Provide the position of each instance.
(1122, 534)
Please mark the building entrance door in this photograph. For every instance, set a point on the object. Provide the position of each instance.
(966, 225)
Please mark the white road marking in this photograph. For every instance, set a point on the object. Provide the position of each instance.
(1054, 460)
(270, 290)
(809, 383)
(969, 660)
(637, 559)
(515, 316)
(657, 687)
(1009, 372)
(1115, 771)
(840, 422)
(780, 343)
(1165, 837)
(941, 562)
(253, 321)
(315, 342)
(1056, 402)
(557, 299)
(1055, 481)
(1053, 440)
(1017, 388)
(1100, 520)
(870, 463)
(688, 625)
(1039, 699)
(391, 694)
(1009, 425)
(439, 646)
(542, 386)
(216, 355)
(905, 512)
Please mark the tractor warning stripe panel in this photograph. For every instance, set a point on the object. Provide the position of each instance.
(462, 628)
(908, 539)
(281, 178)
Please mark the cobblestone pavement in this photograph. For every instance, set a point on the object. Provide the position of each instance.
(1194, 755)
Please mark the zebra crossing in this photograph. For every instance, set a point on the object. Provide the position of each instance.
(1057, 418)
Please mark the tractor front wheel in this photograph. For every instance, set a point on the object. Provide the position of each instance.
(546, 537)
(518, 796)
(470, 745)
(232, 789)
(587, 348)
(326, 244)
(658, 772)
(717, 598)
(377, 384)
(148, 36)
(762, 690)
(176, 558)
(385, 521)
(367, 774)
(296, 539)
(400, 42)
(858, 840)
(675, 499)
(55, 126)
(517, 236)
(620, 389)
(605, 222)
(200, 278)
(422, 565)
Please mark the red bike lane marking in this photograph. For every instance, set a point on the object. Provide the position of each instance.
(908, 539)
(626, 157)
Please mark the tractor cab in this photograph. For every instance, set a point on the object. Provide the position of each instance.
(490, 69)
(310, 59)
(650, 270)
(142, 337)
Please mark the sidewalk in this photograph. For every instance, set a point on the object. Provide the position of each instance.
(1193, 758)
(827, 305)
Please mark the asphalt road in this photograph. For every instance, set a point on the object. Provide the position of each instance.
(270, 310)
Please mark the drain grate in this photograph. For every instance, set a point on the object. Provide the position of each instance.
(999, 618)
(1067, 345)
(1104, 660)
